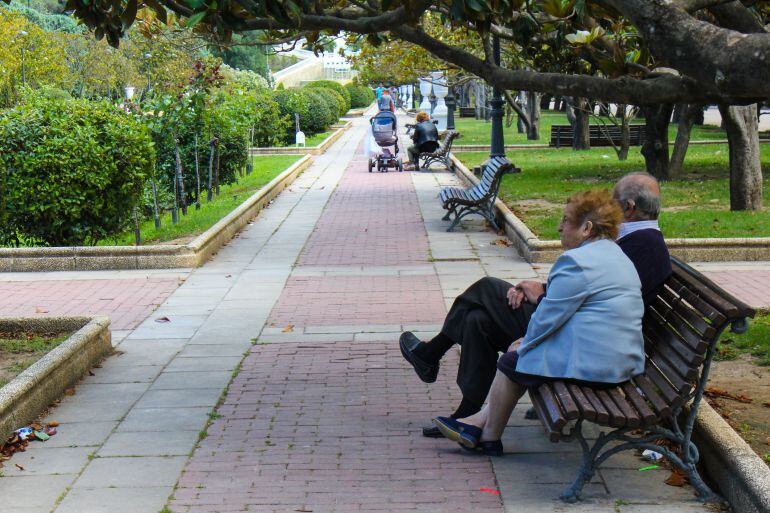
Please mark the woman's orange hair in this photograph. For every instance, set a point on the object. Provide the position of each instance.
(422, 116)
(597, 206)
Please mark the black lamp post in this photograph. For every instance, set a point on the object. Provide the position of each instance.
(497, 147)
(451, 103)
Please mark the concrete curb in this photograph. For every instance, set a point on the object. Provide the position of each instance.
(303, 150)
(485, 147)
(29, 393)
(533, 249)
(161, 256)
(742, 476)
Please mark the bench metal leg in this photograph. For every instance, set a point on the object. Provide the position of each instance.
(593, 457)
(484, 211)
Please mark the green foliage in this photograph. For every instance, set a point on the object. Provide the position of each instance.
(74, 170)
(322, 110)
(47, 21)
(755, 341)
(360, 95)
(338, 104)
(244, 54)
(335, 86)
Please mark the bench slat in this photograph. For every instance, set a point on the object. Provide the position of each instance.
(685, 332)
(552, 409)
(602, 415)
(586, 408)
(650, 393)
(553, 431)
(727, 308)
(714, 315)
(668, 393)
(632, 417)
(671, 342)
(617, 419)
(566, 402)
(679, 382)
(687, 313)
(633, 395)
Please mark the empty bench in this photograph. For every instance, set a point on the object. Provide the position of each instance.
(563, 135)
(479, 199)
(681, 328)
(441, 155)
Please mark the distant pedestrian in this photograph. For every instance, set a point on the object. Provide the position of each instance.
(386, 101)
(379, 91)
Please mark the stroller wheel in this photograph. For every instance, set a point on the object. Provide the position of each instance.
(400, 166)
(371, 166)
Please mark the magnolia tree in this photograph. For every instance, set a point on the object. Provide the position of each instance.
(650, 53)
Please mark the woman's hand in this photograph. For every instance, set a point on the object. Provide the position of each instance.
(531, 289)
(515, 297)
(515, 345)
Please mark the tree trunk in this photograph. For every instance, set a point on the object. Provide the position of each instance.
(211, 170)
(655, 147)
(180, 180)
(545, 101)
(581, 136)
(533, 112)
(745, 169)
(155, 211)
(687, 114)
(521, 127)
(625, 133)
(197, 177)
(216, 171)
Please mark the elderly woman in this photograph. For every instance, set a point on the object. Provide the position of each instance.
(587, 328)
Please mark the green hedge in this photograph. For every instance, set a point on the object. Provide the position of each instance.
(73, 171)
(334, 86)
(360, 95)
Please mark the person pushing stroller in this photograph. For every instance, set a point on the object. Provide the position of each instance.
(425, 139)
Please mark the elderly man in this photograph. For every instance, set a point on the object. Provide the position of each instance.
(492, 313)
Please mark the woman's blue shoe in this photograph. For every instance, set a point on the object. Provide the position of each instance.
(459, 432)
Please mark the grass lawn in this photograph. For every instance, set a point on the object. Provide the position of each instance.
(696, 206)
(755, 342)
(313, 140)
(19, 351)
(476, 131)
(266, 167)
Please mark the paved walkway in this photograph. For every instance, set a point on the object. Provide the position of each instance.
(322, 414)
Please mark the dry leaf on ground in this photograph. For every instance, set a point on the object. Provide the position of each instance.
(676, 478)
(718, 392)
(163, 319)
(69, 391)
(288, 328)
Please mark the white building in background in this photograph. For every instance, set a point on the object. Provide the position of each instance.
(327, 66)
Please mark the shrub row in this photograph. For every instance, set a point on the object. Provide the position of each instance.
(360, 95)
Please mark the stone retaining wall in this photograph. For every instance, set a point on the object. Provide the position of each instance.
(29, 393)
(534, 249)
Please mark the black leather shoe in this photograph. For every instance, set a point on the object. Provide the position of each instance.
(432, 432)
(425, 371)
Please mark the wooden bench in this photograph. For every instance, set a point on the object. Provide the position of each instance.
(441, 155)
(562, 135)
(467, 112)
(681, 328)
(479, 199)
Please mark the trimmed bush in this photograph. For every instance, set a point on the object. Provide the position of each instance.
(334, 86)
(74, 171)
(291, 101)
(340, 107)
(322, 111)
(360, 95)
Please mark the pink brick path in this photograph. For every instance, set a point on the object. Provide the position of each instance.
(126, 301)
(751, 286)
(358, 300)
(371, 219)
(335, 427)
(332, 428)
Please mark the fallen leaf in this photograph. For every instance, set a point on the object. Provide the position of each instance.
(90, 373)
(163, 319)
(69, 391)
(718, 392)
(40, 309)
(536, 267)
(19, 466)
(502, 243)
(288, 328)
(766, 405)
(228, 276)
(53, 423)
(676, 478)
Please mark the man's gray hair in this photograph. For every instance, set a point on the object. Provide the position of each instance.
(646, 200)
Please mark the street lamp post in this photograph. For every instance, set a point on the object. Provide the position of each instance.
(451, 103)
(497, 147)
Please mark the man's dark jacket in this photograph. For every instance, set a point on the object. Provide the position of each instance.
(649, 254)
(425, 136)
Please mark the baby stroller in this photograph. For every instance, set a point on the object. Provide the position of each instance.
(384, 131)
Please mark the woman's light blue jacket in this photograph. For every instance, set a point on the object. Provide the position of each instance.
(589, 324)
